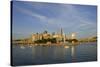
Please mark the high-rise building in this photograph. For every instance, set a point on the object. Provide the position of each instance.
(61, 32)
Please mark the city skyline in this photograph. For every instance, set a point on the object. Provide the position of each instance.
(33, 17)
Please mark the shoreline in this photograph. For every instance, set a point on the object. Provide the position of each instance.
(54, 44)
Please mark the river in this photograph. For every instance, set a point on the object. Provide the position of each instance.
(34, 55)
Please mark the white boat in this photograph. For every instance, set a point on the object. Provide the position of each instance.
(22, 47)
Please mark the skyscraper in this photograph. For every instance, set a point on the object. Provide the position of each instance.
(61, 32)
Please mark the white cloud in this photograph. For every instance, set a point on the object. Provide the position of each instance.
(31, 13)
(68, 14)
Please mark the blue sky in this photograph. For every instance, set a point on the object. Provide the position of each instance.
(32, 17)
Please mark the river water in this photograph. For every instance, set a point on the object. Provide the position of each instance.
(33, 55)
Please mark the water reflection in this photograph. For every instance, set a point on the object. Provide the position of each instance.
(53, 54)
(49, 54)
(73, 53)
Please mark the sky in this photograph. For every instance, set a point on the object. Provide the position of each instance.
(33, 17)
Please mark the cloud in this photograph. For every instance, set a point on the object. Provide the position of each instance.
(31, 13)
(67, 16)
